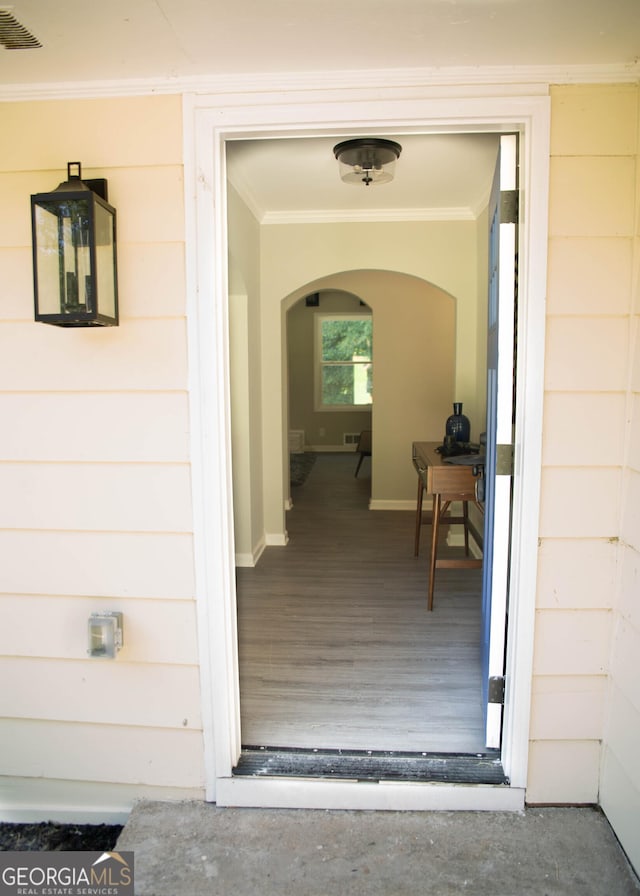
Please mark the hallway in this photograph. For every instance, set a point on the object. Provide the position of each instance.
(337, 649)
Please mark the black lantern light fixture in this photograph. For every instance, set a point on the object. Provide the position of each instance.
(367, 160)
(74, 254)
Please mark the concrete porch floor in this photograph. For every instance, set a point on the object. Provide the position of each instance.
(189, 848)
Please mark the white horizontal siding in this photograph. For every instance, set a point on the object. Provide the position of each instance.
(101, 691)
(572, 642)
(96, 497)
(591, 496)
(577, 573)
(587, 365)
(568, 707)
(161, 757)
(102, 131)
(97, 564)
(148, 201)
(138, 355)
(155, 631)
(102, 427)
(155, 274)
(94, 472)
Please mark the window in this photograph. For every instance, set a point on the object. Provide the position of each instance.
(344, 361)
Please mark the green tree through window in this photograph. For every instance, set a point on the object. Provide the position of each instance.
(346, 356)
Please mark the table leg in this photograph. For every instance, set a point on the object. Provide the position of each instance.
(465, 516)
(418, 516)
(434, 545)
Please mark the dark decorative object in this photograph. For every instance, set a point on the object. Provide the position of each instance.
(458, 425)
(74, 254)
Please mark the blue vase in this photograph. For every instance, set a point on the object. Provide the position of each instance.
(458, 425)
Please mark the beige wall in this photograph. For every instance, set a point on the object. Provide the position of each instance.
(585, 683)
(297, 259)
(244, 360)
(94, 473)
(413, 339)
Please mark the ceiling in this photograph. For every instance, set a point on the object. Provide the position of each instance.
(160, 43)
(86, 40)
(437, 177)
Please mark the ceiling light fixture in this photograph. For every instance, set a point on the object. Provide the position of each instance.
(367, 160)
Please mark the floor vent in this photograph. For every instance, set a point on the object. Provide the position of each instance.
(350, 438)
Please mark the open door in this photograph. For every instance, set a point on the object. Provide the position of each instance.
(498, 469)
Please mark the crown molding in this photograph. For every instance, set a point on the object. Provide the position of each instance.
(462, 80)
(371, 216)
(350, 216)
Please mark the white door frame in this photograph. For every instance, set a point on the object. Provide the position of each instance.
(209, 120)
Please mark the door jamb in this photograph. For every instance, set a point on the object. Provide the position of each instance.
(209, 120)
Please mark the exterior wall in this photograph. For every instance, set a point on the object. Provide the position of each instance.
(94, 472)
(620, 781)
(592, 206)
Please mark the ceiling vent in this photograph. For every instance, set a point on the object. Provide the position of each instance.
(13, 35)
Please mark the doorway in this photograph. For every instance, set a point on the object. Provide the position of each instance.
(221, 694)
(418, 327)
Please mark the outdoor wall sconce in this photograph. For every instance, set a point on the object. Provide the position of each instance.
(74, 254)
(367, 160)
(105, 635)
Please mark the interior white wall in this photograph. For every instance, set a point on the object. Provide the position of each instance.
(244, 361)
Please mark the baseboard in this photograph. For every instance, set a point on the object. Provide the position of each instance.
(331, 449)
(403, 504)
(456, 540)
(277, 539)
(250, 560)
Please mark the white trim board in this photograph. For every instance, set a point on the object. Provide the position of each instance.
(209, 121)
(468, 80)
(290, 793)
(32, 800)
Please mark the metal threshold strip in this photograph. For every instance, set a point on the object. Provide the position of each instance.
(371, 765)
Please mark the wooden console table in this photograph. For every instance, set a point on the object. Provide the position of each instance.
(447, 483)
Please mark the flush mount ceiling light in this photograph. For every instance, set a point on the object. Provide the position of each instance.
(367, 160)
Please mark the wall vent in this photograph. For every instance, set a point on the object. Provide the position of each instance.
(13, 35)
(350, 438)
(296, 441)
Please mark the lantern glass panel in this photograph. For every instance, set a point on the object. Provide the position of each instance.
(105, 266)
(67, 221)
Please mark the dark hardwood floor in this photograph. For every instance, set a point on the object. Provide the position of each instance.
(336, 647)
